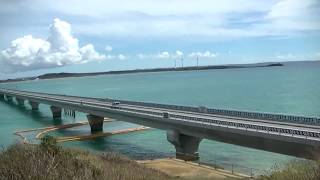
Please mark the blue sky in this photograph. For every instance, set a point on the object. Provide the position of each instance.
(38, 37)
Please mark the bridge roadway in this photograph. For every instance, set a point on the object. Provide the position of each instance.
(186, 129)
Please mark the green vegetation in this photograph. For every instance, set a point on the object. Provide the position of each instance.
(49, 161)
(49, 144)
(295, 170)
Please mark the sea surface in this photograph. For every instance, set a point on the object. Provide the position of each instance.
(290, 89)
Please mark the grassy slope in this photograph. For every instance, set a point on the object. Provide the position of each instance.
(36, 162)
(53, 162)
(49, 161)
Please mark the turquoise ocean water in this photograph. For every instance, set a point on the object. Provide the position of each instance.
(291, 89)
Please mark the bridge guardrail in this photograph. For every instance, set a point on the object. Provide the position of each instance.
(233, 113)
(267, 129)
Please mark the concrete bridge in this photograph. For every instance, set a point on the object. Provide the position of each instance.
(187, 126)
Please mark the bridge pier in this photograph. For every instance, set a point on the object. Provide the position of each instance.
(1, 96)
(9, 98)
(34, 105)
(186, 146)
(96, 123)
(20, 101)
(56, 112)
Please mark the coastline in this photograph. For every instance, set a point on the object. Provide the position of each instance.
(63, 75)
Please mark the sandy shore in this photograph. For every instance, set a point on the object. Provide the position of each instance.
(43, 131)
(189, 170)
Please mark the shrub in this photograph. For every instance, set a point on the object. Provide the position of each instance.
(295, 170)
(49, 144)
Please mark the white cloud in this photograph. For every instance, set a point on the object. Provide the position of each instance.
(121, 57)
(179, 53)
(142, 56)
(163, 55)
(288, 8)
(206, 54)
(108, 48)
(203, 18)
(296, 56)
(171, 18)
(291, 16)
(101, 8)
(109, 56)
(288, 56)
(60, 49)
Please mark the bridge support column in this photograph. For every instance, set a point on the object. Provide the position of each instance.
(34, 105)
(1, 96)
(56, 112)
(9, 98)
(96, 123)
(186, 146)
(20, 101)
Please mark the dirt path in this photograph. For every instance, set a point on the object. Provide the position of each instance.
(189, 170)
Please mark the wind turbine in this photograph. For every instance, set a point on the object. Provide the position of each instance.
(197, 62)
(182, 61)
(175, 63)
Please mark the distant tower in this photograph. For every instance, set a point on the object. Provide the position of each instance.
(197, 62)
(181, 61)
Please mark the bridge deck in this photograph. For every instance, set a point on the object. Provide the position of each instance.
(297, 130)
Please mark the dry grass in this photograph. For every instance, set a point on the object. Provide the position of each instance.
(189, 170)
(48, 161)
(39, 162)
(295, 170)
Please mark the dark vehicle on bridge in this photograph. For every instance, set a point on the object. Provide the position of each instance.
(166, 115)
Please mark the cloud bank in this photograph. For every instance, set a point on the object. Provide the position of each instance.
(175, 18)
(59, 49)
(178, 55)
(199, 19)
(206, 54)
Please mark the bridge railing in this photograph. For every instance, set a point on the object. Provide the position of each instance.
(244, 126)
(233, 113)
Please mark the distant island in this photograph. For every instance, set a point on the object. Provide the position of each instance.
(189, 68)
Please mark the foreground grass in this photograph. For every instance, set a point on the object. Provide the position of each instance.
(52, 162)
(49, 161)
(295, 170)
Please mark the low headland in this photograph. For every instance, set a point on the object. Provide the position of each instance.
(189, 68)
